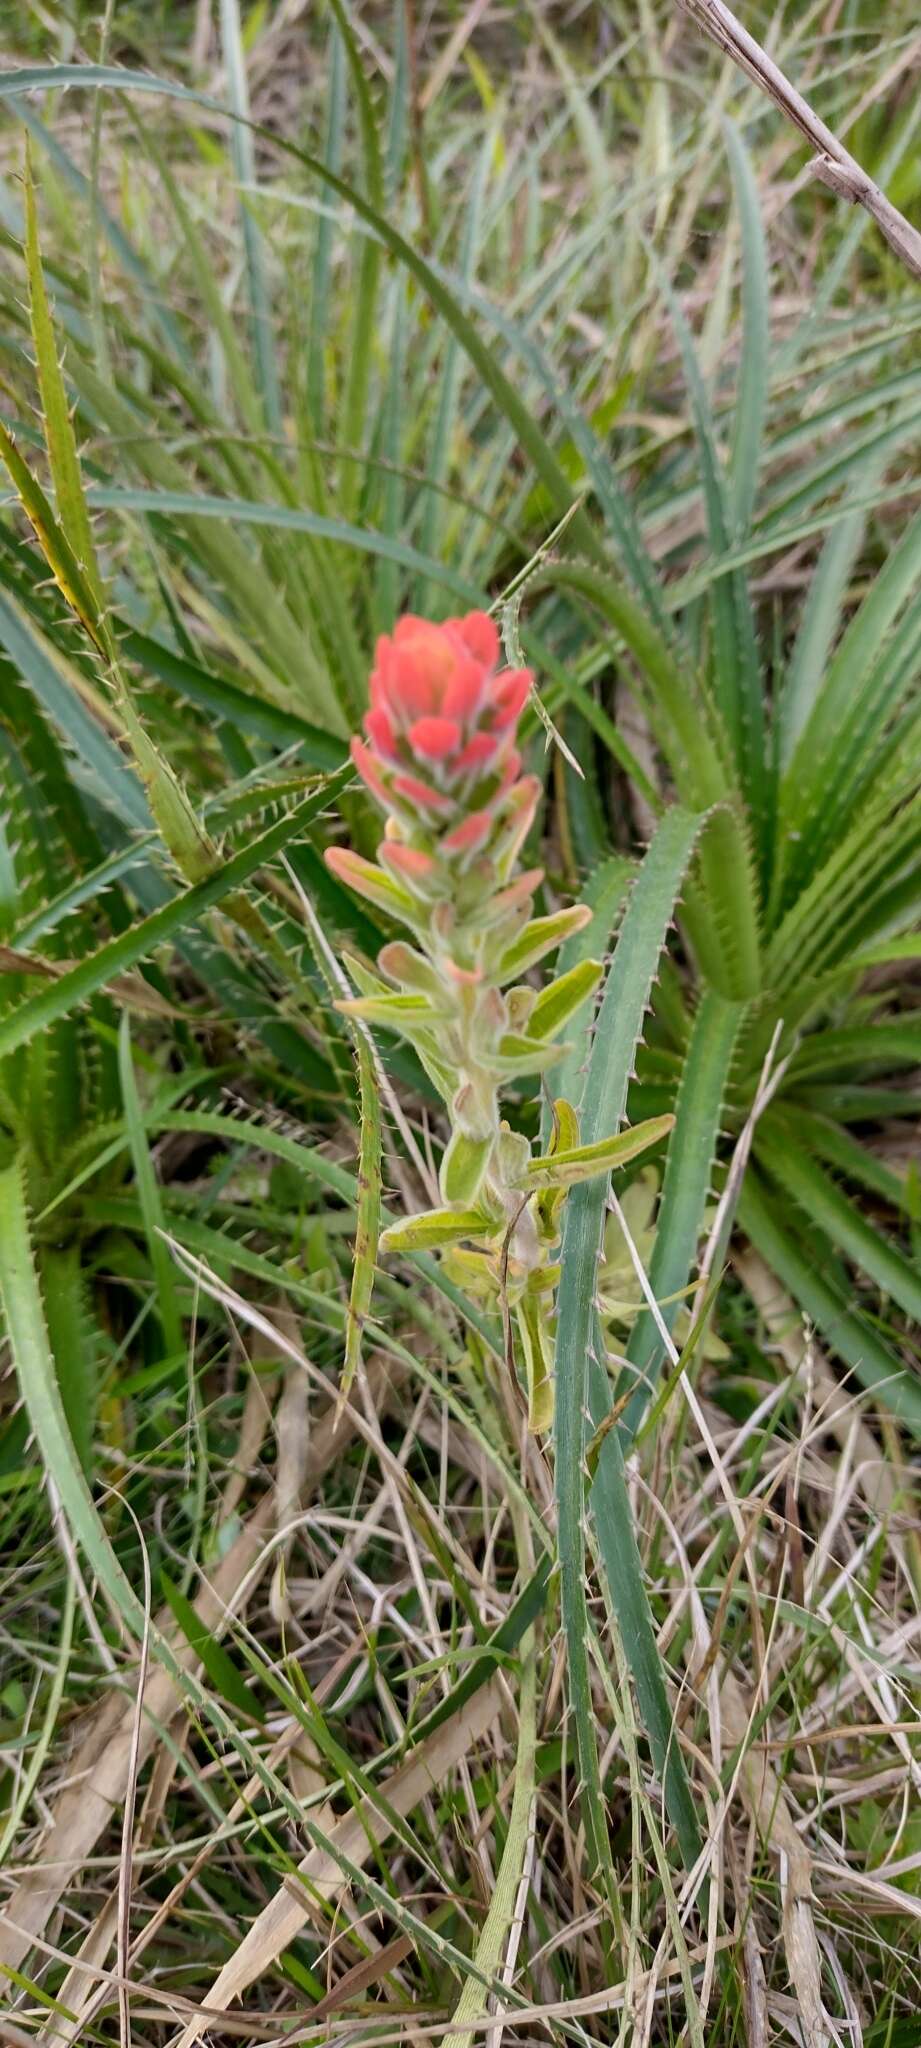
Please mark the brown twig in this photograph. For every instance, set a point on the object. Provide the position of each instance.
(832, 164)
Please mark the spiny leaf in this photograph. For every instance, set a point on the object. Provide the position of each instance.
(56, 420)
(626, 994)
(68, 575)
(131, 946)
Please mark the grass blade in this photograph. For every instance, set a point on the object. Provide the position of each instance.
(369, 1214)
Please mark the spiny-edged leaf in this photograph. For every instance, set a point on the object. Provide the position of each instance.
(70, 578)
(61, 690)
(563, 997)
(829, 1140)
(821, 617)
(436, 1227)
(815, 1192)
(605, 893)
(185, 838)
(56, 419)
(220, 1668)
(626, 994)
(844, 683)
(851, 1337)
(582, 1162)
(123, 952)
(737, 676)
(722, 911)
(685, 1189)
(887, 1043)
(369, 1215)
(26, 1328)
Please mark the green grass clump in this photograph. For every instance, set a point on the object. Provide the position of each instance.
(371, 1713)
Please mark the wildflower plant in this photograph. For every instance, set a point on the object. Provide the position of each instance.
(441, 758)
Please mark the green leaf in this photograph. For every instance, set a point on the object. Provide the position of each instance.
(242, 144)
(752, 392)
(24, 1317)
(185, 838)
(360, 353)
(369, 1215)
(56, 419)
(463, 1165)
(605, 894)
(564, 1169)
(537, 1348)
(53, 682)
(684, 722)
(201, 505)
(503, 1905)
(70, 578)
(220, 1668)
(436, 1227)
(738, 685)
(539, 937)
(72, 1341)
(560, 1000)
(849, 1336)
(821, 617)
(114, 958)
(685, 1190)
(828, 1207)
(148, 1190)
(620, 1020)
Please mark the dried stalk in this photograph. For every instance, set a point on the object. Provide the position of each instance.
(832, 164)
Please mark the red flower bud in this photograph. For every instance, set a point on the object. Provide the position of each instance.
(439, 748)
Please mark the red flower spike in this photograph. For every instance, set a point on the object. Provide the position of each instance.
(479, 633)
(380, 732)
(477, 753)
(470, 834)
(418, 792)
(510, 697)
(367, 766)
(440, 701)
(434, 738)
(410, 861)
(466, 977)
